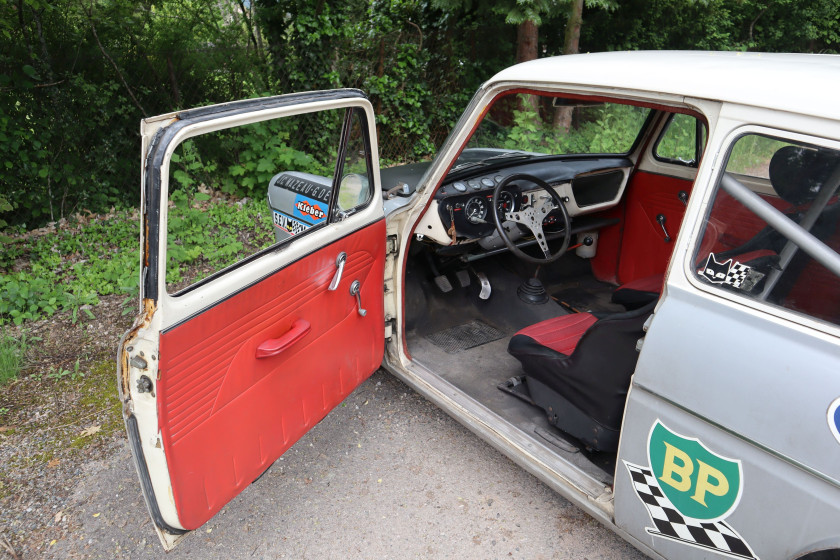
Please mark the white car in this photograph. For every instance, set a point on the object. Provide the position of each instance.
(621, 270)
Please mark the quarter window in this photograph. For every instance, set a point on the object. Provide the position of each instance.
(741, 252)
(682, 141)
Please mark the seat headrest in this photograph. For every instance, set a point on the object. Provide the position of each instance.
(797, 173)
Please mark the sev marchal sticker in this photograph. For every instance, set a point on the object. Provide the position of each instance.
(288, 224)
(834, 418)
(688, 491)
(731, 273)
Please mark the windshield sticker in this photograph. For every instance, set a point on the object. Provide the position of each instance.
(688, 491)
(834, 418)
(309, 210)
(735, 274)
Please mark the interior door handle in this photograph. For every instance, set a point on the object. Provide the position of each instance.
(274, 346)
(339, 264)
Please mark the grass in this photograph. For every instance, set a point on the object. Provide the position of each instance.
(12, 355)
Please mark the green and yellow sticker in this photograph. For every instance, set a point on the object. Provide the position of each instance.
(700, 483)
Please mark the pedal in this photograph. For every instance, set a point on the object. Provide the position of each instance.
(443, 283)
(486, 290)
(463, 278)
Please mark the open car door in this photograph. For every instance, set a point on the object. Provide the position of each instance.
(220, 376)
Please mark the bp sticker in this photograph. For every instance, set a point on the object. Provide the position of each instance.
(687, 491)
(834, 418)
(700, 483)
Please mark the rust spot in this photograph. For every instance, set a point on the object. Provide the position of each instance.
(146, 240)
(143, 320)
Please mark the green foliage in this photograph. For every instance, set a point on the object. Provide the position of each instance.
(206, 236)
(69, 269)
(59, 373)
(608, 128)
(13, 354)
(756, 25)
(77, 77)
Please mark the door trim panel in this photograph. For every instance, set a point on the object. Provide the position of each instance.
(224, 415)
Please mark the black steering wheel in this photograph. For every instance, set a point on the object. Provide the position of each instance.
(531, 216)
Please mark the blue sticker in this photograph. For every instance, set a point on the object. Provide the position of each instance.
(833, 418)
(309, 210)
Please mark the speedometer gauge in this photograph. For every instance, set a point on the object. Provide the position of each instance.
(476, 210)
(507, 203)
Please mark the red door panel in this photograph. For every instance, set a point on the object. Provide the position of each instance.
(644, 251)
(226, 415)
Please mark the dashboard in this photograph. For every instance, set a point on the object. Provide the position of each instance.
(586, 185)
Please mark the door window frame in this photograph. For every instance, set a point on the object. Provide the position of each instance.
(250, 270)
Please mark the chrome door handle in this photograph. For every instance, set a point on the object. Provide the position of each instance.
(339, 263)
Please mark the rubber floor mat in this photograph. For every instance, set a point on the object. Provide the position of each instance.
(463, 337)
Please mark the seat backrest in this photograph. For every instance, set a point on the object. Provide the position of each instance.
(603, 363)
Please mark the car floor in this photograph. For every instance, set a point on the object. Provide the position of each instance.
(464, 339)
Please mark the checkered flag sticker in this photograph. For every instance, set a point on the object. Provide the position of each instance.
(671, 524)
(735, 274)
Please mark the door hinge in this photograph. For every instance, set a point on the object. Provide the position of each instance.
(390, 327)
(392, 245)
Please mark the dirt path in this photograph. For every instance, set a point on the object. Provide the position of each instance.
(386, 475)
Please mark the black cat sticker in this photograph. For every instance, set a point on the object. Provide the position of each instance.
(730, 273)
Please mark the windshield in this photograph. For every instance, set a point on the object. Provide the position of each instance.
(535, 125)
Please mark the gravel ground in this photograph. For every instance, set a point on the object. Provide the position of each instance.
(386, 475)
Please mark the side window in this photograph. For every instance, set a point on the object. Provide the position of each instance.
(740, 252)
(682, 141)
(238, 191)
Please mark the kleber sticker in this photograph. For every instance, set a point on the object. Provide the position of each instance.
(833, 418)
(731, 273)
(292, 226)
(687, 491)
(308, 210)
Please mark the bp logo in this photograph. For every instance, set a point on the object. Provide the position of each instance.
(701, 484)
(688, 491)
(834, 418)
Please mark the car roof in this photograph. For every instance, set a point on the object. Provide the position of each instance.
(800, 83)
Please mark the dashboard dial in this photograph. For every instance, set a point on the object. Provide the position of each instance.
(487, 182)
(474, 183)
(476, 210)
(459, 186)
(507, 203)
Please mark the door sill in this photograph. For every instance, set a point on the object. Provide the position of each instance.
(577, 486)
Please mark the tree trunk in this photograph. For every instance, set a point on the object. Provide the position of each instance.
(527, 36)
(571, 45)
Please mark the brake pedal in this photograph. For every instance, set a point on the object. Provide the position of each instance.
(443, 283)
(463, 278)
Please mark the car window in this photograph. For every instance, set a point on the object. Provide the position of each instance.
(542, 124)
(679, 142)
(741, 253)
(267, 182)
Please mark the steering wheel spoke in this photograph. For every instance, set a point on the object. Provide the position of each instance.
(532, 217)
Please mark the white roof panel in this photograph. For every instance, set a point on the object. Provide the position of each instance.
(800, 83)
